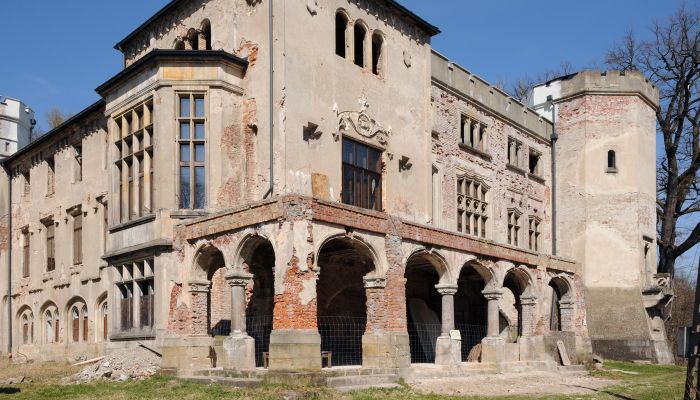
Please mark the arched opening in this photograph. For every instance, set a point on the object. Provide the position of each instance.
(51, 323)
(103, 321)
(612, 162)
(423, 308)
(341, 26)
(515, 284)
(179, 44)
(85, 330)
(77, 313)
(377, 54)
(205, 35)
(471, 308)
(341, 299)
(211, 267)
(26, 325)
(558, 290)
(75, 324)
(259, 260)
(360, 33)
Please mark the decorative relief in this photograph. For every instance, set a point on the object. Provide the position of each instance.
(361, 123)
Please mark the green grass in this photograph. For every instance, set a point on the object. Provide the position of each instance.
(638, 382)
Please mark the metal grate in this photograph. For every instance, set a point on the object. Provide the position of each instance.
(259, 328)
(471, 336)
(342, 336)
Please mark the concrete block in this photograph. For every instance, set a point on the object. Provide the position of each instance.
(239, 353)
(448, 351)
(386, 350)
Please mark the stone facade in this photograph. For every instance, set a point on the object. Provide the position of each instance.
(366, 202)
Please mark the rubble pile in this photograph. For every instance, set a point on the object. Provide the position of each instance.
(122, 365)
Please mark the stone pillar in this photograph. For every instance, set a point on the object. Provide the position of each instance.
(448, 349)
(239, 348)
(493, 345)
(528, 308)
(566, 315)
(475, 135)
(382, 348)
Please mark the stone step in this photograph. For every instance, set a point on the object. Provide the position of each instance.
(572, 369)
(346, 389)
(225, 373)
(361, 381)
(235, 382)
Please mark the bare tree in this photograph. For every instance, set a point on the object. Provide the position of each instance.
(681, 313)
(671, 59)
(56, 117)
(521, 88)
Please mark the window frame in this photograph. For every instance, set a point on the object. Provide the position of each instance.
(366, 174)
(50, 245)
(514, 227)
(26, 252)
(473, 206)
(192, 142)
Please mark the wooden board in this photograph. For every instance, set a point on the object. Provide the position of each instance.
(565, 361)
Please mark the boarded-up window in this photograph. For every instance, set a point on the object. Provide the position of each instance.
(146, 303)
(78, 239)
(75, 324)
(105, 327)
(50, 247)
(85, 324)
(126, 306)
(56, 328)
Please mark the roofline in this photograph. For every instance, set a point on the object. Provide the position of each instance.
(155, 16)
(50, 134)
(158, 54)
(431, 29)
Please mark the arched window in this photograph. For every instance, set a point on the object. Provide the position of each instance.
(56, 326)
(75, 324)
(341, 26)
(84, 313)
(377, 54)
(360, 35)
(27, 327)
(205, 35)
(103, 314)
(179, 44)
(555, 314)
(612, 161)
(192, 39)
(49, 328)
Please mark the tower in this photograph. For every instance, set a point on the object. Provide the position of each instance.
(605, 209)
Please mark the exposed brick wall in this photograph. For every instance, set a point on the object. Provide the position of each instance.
(289, 312)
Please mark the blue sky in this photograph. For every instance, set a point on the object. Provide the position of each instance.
(56, 52)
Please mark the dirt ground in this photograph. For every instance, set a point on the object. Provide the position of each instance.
(514, 384)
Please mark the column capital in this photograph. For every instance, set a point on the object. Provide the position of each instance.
(238, 278)
(446, 289)
(528, 300)
(566, 304)
(374, 282)
(492, 294)
(199, 286)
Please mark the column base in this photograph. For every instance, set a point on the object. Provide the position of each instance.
(448, 351)
(493, 350)
(295, 350)
(386, 350)
(239, 353)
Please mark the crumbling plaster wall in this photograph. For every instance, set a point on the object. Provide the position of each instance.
(509, 188)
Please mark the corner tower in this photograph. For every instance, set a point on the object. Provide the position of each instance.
(605, 194)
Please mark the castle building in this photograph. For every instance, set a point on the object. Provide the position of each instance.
(286, 186)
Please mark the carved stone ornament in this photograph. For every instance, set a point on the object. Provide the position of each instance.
(374, 282)
(238, 278)
(361, 123)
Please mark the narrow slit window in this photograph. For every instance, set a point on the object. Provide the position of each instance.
(341, 26)
(360, 34)
(612, 161)
(377, 54)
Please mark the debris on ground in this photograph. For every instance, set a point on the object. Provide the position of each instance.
(121, 365)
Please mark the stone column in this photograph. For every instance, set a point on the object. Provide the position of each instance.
(381, 347)
(475, 135)
(448, 349)
(493, 345)
(566, 315)
(528, 304)
(238, 347)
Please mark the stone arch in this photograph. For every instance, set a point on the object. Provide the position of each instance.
(25, 325)
(204, 37)
(519, 312)
(210, 299)
(51, 322)
(360, 243)
(562, 303)
(471, 306)
(345, 263)
(77, 318)
(255, 260)
(425, 271)
(101, 318)
(360, 32)
(342, 22)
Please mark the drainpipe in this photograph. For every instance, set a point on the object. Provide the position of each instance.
(9, 259)
(270, 191)
(554, 139)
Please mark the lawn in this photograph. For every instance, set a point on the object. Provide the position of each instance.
(638, 382)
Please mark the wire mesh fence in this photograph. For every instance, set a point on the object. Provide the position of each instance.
(342, 337)
(423, 337)
(259, 328)
(471, 336)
